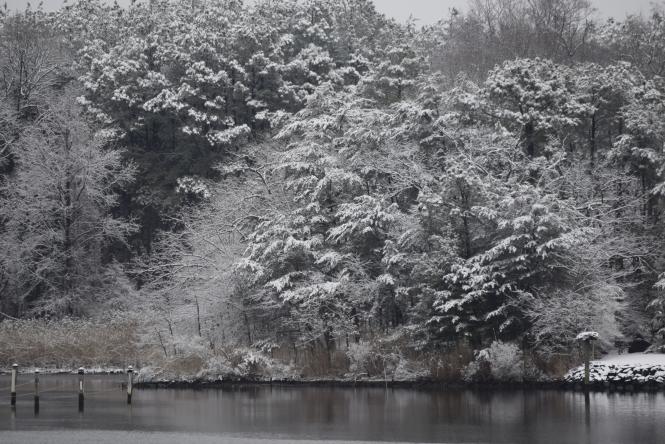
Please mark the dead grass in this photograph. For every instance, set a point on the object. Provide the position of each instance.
(68, 343)
(71, 343)
(448, 365)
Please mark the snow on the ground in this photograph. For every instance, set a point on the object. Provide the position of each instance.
(633, 359)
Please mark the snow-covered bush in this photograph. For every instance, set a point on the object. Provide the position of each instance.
(195, 360)
(502, 361)
(409, 370)
(557, 319)
(371, 359)
(245, 363)
(192, 188)
(362, 358)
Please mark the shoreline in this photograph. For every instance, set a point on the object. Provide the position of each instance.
(433, 385)
(423, 384)
(604, 377)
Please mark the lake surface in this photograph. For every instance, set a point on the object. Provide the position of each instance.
(254, 413)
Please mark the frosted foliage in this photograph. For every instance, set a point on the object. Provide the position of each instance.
(502, 361)
(310, 182)
(56, 210)
(587, 336)
(361, 356)
(558, 319)
(192, 186)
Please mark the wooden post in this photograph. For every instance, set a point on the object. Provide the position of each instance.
(585, 340)
(81, 393)
(36, 391)
(587, 357)
(130, 382)
(13, 385)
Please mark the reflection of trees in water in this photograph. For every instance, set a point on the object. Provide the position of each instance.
(519, 416)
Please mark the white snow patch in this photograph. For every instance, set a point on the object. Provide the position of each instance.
(588, 335)
(633, 359)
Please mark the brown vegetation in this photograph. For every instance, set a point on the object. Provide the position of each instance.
(68, 343)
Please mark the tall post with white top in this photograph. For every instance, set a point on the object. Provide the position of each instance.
(36, 391)
(81, 389)
(130, 383)
(13, 384)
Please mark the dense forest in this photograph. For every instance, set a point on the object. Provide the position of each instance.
(313, 184)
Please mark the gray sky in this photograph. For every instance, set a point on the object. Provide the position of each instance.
(427, 11)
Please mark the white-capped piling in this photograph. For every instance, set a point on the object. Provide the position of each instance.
(36, 390)
(13, 384)
(81, 373)
(130, 383)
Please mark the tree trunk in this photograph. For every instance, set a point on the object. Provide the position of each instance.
(592, 139)
(198, 315)
(67, 227)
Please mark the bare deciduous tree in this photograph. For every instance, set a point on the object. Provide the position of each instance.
(56, 214)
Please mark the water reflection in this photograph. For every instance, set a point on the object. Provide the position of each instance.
(354, 414)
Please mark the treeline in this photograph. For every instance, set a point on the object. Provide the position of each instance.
(301, 177)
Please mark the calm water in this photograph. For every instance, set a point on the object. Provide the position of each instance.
(306, 413)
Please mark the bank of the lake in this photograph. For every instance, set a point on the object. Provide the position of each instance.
(636, 372)
(555, 384)
(624, 373)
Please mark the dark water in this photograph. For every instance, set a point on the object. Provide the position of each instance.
(291, 413)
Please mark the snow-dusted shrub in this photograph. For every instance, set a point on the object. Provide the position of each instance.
(558, 318)
(192, 187)
(479, 369)
(361, 357)
(409, 370)
(502, 361)
(203, 363)
(366, 358)
(246, 363)
(391, 357)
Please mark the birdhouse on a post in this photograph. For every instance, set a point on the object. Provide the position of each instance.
(586, 339)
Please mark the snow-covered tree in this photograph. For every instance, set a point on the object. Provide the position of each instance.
(56, 216)
(191, 82)
(639, 40)
(536, 98)
(29, 62)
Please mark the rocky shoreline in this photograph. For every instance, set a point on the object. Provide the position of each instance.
(619, 374)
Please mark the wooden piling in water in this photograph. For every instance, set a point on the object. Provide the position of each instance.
(130, 383)
(13, 384)
(81, 389)
(36, 391)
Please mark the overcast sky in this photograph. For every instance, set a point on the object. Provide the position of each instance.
(427, 11)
